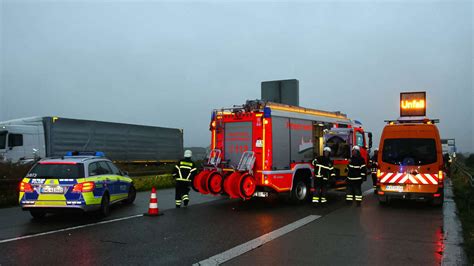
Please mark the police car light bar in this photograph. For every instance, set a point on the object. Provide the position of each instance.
(85, 153)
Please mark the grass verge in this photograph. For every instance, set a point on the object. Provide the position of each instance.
(145, 183)
(464, 197)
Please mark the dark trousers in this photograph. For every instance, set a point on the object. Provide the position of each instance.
(374, 179)
(182, 193)
(354, 190)
(320, 190)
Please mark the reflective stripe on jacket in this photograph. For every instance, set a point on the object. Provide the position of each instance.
(323, 168)
(185, 170)
(356, 168)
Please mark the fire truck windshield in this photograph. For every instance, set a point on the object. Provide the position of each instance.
(409, 151)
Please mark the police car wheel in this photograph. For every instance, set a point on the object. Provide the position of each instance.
(132, 194)
(104, 206)
(37, 214)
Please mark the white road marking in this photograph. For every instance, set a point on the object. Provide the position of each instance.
(69, 229)
(257, 242)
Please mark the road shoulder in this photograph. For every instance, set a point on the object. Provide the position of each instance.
(453, 241)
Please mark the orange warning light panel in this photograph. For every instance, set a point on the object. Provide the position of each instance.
(413, 104)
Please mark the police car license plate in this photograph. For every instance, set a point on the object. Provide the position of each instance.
(394, 188)
(52, 190)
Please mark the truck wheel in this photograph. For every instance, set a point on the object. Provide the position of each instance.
(104, 210)
(300, 192)
(384, 201)
(438, 202)
(132, 194)
(37, 214)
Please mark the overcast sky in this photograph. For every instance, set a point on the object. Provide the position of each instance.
(169, 64)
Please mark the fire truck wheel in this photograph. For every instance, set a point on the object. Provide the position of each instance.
(300, 191)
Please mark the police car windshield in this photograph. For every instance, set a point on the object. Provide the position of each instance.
(3, 139)
(409, 151)
(57, 171)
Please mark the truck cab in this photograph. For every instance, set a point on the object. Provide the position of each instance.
(341, 140)
(21, 143)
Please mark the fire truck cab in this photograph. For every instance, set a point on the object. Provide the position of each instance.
(262, 147)
(341, 139)
(410, 161)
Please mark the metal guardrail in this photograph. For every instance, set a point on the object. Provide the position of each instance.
(469, 196)
(466, 173)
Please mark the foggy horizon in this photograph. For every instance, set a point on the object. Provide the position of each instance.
(170, 64)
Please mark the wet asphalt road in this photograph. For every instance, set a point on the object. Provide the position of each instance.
(404, 233)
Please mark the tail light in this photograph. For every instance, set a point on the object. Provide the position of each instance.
(378, 173)
(83, 187)
(440, 175)
(25, 187)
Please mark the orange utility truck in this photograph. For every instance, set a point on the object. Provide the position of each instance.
(410, 161)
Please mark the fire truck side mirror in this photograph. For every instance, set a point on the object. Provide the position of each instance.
(370, 140)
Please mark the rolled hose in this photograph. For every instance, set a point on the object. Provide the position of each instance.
(199, 182)
(214, 182)
(240, 185)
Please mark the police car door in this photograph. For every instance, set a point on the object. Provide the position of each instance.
(121, 185)
(101, 183)
(110, 179)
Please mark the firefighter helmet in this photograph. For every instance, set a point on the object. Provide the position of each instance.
(356, 148)
(188, 154)
(327, 149)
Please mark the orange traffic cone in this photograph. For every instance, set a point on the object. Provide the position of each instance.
(153, 208)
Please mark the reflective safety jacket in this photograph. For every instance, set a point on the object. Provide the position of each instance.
(357, 168)
(373, 164)
(184, 171)
(323, 168)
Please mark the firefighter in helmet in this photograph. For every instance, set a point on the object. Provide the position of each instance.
(356, 173)
(184, 173)
(323, 170)
(373, 168)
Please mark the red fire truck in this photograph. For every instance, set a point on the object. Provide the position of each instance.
(262, 147)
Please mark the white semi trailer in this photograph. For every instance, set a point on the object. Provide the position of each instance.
(27, 139)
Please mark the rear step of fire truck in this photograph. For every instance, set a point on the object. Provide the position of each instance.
(239, 184)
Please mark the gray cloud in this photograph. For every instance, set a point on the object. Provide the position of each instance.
(170, 64)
